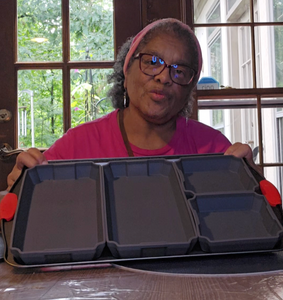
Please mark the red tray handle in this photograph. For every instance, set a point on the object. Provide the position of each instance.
(270, 192)
(8, 206)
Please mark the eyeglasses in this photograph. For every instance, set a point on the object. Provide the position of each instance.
(153, 65)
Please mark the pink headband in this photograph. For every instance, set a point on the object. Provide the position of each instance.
(137, 39)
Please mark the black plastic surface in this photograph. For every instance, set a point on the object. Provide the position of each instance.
(236, 222)
(147, 213)
(216, 174)
(60, 214)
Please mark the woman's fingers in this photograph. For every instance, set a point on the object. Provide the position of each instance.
(240, 150)
(29, 158)
(243, 151)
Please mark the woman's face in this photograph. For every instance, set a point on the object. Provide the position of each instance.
(157, 98)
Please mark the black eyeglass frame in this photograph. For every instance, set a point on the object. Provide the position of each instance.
(140, 55)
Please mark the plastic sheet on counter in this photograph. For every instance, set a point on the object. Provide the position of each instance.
(120, 284)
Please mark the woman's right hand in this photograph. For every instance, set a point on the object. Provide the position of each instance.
(29, 158)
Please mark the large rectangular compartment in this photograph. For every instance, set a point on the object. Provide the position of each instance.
(147, 212)
(60, 214)
(235, 222)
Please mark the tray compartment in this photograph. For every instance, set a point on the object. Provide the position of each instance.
(60, 214)
(214, 174)
(147, 211)
(236, 222)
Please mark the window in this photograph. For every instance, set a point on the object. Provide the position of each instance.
(63, 58)
(249, 69)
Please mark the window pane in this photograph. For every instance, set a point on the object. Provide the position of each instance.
(89, 95)
(230, 11)
(238, 125)
(227, 55)
(91, 30)
(268, 10)
(269, 56)
(39, 30)
(272, 122)
(40, 111)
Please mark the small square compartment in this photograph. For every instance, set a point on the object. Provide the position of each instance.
(216, 173)
(236, 222)
(147, 211)
(60, 214)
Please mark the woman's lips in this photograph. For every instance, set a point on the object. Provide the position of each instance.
(158, 95)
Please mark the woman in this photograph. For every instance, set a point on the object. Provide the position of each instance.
(154, 77)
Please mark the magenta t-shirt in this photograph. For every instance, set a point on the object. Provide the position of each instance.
(102, 139)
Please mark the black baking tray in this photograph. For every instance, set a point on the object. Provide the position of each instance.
(110, 248)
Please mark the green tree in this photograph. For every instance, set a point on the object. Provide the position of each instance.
(91, 38)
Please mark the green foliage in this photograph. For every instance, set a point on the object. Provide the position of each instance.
(91, 38)
(89, 100)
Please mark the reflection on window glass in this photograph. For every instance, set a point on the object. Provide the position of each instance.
(278, 10)
(215, 50)
(230, 4)
(269, 62)
(238, 125)
(278, 43)
(218, 119)
(245, 58)
(214, 17)
(227, 56)
(269, 10)
(39, 30)
(224, 11)
(91, 30)
(89, 95)
(40, 113)
(272, 135)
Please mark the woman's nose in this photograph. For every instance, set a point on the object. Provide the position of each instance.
(164, 77)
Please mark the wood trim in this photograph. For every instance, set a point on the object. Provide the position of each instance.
(8, 83)
(66, 69)
(60, 65)
(127, 20)
(239, 93)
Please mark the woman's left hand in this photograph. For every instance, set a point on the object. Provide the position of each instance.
(243, 151)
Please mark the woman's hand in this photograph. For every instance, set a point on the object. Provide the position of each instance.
(29, 158)
(243, 151)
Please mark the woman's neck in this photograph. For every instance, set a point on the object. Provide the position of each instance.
(147, 135)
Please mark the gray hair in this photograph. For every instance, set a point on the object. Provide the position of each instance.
(116, 93)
